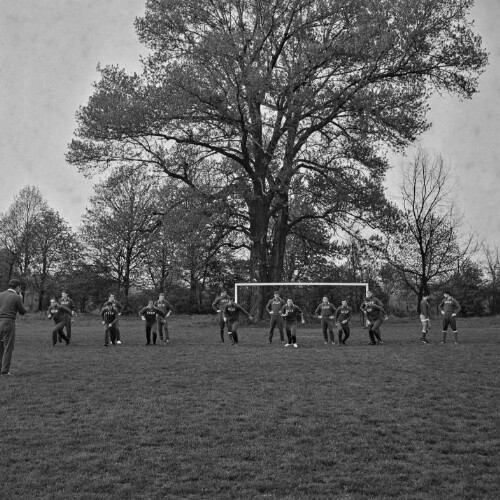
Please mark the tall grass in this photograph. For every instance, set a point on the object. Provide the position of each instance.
(199, 419)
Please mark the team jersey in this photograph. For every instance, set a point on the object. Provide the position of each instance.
(450, 306)
(164, 305)
(117, 305)
(274, 306)
(232, 312)
(325, 310)
(372, 310)
(109, 316)
(58, 313)
(149, 313)
(67, 303)
(220, 303)
(343, 314)
(292, 313)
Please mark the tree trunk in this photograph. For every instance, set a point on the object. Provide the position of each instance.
(258, 208)
(277, 253)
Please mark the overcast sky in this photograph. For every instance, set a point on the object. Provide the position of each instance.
(49, 52)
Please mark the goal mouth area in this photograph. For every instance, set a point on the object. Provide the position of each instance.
(307, 296)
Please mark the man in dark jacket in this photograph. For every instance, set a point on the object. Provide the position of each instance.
(11, 303)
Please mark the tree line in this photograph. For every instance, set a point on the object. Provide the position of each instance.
(143, 234)
(260, 131)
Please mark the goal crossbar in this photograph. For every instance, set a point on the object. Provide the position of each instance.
(295, 283)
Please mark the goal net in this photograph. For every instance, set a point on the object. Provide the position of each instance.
(254, 296)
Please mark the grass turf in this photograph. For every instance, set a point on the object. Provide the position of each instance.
(199, 419)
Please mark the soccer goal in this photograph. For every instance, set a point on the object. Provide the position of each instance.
(307, 295)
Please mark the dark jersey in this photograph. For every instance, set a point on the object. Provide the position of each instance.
(109, 316)
(117, 305)
(67, 303)
(149, 313)
(325, 310)
(373, 311)
(232, 312)
(274, 306)
(220, 303)
(291, 313)
(164, 305)
(343, 313)
(450, 306)
(58, 313)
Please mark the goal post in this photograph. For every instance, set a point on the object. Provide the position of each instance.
(307, 295)
(296, 284)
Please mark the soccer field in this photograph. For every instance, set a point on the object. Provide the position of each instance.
(200, 419)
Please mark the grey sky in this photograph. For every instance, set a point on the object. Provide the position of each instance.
(48, 57)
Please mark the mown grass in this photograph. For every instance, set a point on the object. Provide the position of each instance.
(200, 419)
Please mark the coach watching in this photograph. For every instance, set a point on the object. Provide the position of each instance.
(11, 303)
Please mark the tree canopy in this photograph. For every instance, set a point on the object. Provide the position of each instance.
(258, 103)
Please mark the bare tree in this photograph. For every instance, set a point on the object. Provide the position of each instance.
(116, 225)
(492, 258)
(18, 229)
(426, 247)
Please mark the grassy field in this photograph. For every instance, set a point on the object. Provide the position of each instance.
(199, 419)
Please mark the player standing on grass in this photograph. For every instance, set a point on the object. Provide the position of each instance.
(162, 322)
(117, 305)
(66, 302)
(449, 309)
(149, 314)
(425, 317)
(60, 316)
(342, 318)
(109, 318)
(376, 316)
(231, 315)
(218, 305)
(291, 313)
(326, 313)
(11, 303)
(273, 307)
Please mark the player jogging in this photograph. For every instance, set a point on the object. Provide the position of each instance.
(342, 318)
(376, 316)
(425, 318)
(371, 298)
(291, 313)
(60, 316)
(109, 318)
(231, 315)
(273, 307)
(148, 314)
(117, 305)
(68, 303)
(218, 305)
(449, 309)
(326, 313)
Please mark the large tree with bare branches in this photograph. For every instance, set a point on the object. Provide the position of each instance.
(267, 104)
(426, 245)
